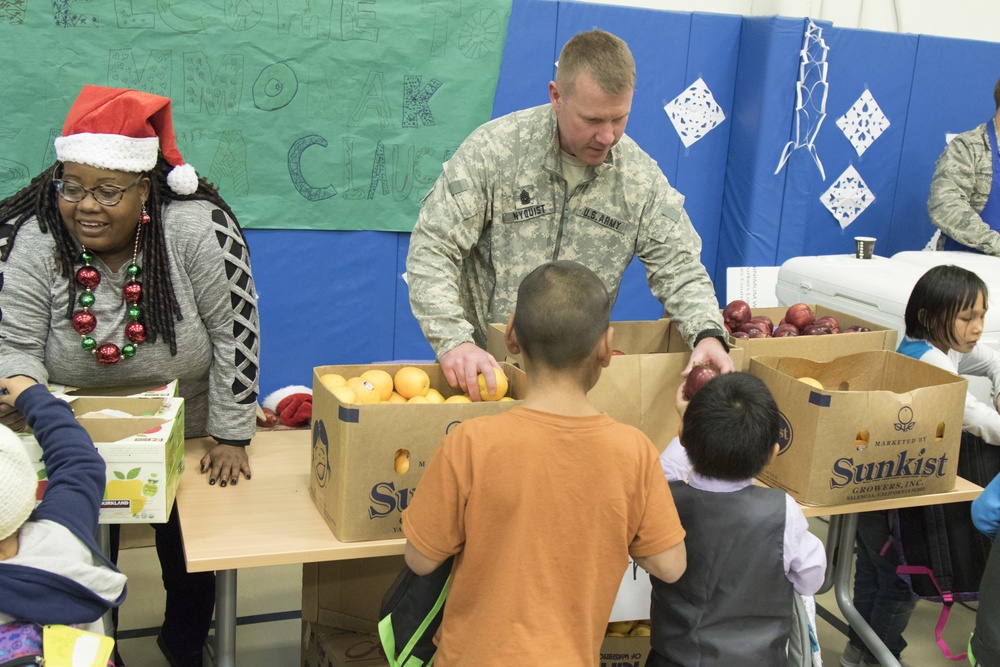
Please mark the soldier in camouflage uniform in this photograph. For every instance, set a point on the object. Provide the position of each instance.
(559, 181)
(963, 204)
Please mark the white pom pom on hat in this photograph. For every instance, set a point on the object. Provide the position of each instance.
(17, 483)
(123, 129)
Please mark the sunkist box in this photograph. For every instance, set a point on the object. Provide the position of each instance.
(886, 425)
(819, 348)
(330, 647)
(354, 481)
(624, 651)
(639, 386)
(144, 453)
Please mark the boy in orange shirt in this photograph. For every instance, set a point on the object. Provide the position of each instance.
(542, 505)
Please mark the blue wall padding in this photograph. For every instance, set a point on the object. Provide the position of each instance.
(952, 91)
(858, 60)
(324, 297)
(762, 124)
(529, 56)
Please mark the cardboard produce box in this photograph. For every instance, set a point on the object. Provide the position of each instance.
(819, 348)
(624, 651)
(347, 594)
(144, 452)
(329, 647)
(354, 479)
(639, 386)
(886, 425)
(168, 390)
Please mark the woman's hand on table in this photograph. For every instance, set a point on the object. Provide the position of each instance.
(224, 463)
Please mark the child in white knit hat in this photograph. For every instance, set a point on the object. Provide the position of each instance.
(51, 568)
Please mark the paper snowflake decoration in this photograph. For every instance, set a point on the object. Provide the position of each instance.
(848, 197)
(810, 97)
(694, 113)
(863, 123)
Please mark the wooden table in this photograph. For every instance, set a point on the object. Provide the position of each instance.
(272, 520)
(840, 541)
(267, 520)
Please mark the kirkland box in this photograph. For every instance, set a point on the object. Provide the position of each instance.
(142, 442)
(819, 348)
(639, 387)
(885, 425)
(329, 647)
(354, 479)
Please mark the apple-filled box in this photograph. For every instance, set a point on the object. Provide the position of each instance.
(638, 388)
(368, 458)
(884, 425)
(330, 647)
(141, 439)
(818, 347)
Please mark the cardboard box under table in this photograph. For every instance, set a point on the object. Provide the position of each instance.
(143, 450)
(354, 480)
(624, 651)
(330, 647)
(886, 425)
(820, 348)
(639, 386)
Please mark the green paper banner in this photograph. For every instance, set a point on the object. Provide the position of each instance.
(308, 114)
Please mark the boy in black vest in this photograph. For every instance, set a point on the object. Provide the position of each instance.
(749, 547)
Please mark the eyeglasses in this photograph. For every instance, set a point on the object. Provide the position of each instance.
(105, 195)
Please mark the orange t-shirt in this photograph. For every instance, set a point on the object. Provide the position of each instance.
(543, 512)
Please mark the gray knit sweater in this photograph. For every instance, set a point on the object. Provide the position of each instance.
(218, 339)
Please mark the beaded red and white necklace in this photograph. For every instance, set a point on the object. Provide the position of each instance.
(84, 322)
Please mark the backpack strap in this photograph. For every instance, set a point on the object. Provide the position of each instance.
(947, 600)
(405, 658)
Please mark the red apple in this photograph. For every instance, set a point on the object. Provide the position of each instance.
(697, 378)
(740, 334)
(784, 331)
(800, 315)
(765, 323)
(856, 328)
(750, 327)
(816, 330)
(615, 353)
(830, 321)
(736, 313)
(759, 333)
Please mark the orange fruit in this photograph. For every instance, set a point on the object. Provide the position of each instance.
(394, 397)
(506, 399)
(501, 386)
(344, 394)
(812, 382)
(382, 381)
(458, 398)
(364, 391)
(331, 380)
(434, 396)
(417, 399)
(411, 381)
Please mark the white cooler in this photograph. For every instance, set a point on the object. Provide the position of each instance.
(877, 289)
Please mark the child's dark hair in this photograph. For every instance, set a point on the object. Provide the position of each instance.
(562, 311)
(730, 427)
(937, 299)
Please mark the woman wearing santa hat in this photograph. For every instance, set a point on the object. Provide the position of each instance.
(120, 266)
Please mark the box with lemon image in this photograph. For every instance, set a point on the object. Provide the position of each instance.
(141, 439)
(368, 452)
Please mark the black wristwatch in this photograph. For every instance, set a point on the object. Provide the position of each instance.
(718, 334)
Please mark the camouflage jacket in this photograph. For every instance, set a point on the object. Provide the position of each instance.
(500, 208)
(961, 185)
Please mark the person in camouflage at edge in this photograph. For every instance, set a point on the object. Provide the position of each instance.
(558, 181)
(962, 203)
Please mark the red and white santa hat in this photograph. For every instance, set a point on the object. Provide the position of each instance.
(122, 129)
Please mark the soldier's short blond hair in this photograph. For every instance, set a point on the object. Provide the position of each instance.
(562, 311)
(604, 56)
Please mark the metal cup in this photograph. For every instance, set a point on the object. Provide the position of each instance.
(864, 247)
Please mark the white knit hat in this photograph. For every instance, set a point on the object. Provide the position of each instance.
(123, 129)
(17, 483)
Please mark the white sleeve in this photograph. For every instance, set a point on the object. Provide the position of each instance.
(978, 418)
(675, 463)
